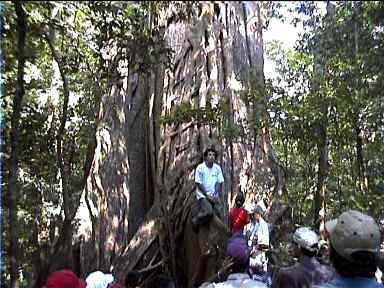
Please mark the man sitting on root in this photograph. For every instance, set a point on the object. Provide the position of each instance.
(209, 179)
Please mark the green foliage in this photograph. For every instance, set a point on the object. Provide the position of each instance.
(332, 78)
(85, 42)
(185, 113)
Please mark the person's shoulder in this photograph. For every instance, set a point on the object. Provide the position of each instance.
(243, 211)
(289, 269)
(207, 285)
(326, 285)
(263, 223)
(201, 165)
(254, 284)
(216, 165)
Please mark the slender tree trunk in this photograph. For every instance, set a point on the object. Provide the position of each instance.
(38, 261)
(323, 163)
(16, 109)
(320, 195)
(63, 247)
(361, 179)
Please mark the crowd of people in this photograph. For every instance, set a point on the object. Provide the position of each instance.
(354, 244)
(353, 250)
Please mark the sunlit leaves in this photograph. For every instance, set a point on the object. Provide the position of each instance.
(346, 72)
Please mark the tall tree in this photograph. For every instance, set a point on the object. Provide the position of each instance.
(209, 99)
(13, 163)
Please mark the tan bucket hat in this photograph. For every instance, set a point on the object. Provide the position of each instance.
(353, 231)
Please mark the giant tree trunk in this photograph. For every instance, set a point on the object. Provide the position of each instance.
(122, 184)
(217, 58)
(16, 108)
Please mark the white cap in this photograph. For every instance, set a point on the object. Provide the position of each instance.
(98, 279)
(250, 208)
(306, 238)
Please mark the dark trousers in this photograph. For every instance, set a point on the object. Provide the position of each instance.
(209, 207)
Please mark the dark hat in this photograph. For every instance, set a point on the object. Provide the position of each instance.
(237, 248)
(259, 210)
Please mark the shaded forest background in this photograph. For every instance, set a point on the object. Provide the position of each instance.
(108, 106)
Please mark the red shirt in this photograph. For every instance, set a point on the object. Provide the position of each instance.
(238, 218)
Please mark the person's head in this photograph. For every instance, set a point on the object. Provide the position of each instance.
(210, 155)
(64, 279)
(258, 212)
(354, 244)
(249, 208)
(160, 281)
(266, 200)
(99, 279)
(239, 200)
(237, 249)
(381, 226)
(306, 242)
(132, 279)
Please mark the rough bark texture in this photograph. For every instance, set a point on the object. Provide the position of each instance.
(121, 185)
(218, 58)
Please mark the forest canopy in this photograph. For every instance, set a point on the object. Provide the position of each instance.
(107, 107)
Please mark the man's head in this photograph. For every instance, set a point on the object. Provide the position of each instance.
(258, 212)
(210, 155)
(355, 243)
(306, 242)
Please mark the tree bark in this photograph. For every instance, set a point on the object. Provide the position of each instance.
(63, 246)
(362, 180)
(13, 173)
(216, 59)
(323, 170)
(322, 145)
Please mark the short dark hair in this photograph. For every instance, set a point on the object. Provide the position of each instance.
(160, 281)
(239, 200)
(365, 264)
(308, 253)
(133, 278)
(210, 149)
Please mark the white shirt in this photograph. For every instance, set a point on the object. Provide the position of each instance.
(251, 229)
(263, 233)
(378, 275)
(259, 230)
(237, 280)
(208, 177)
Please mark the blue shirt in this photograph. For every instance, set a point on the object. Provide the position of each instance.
(352, 282)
